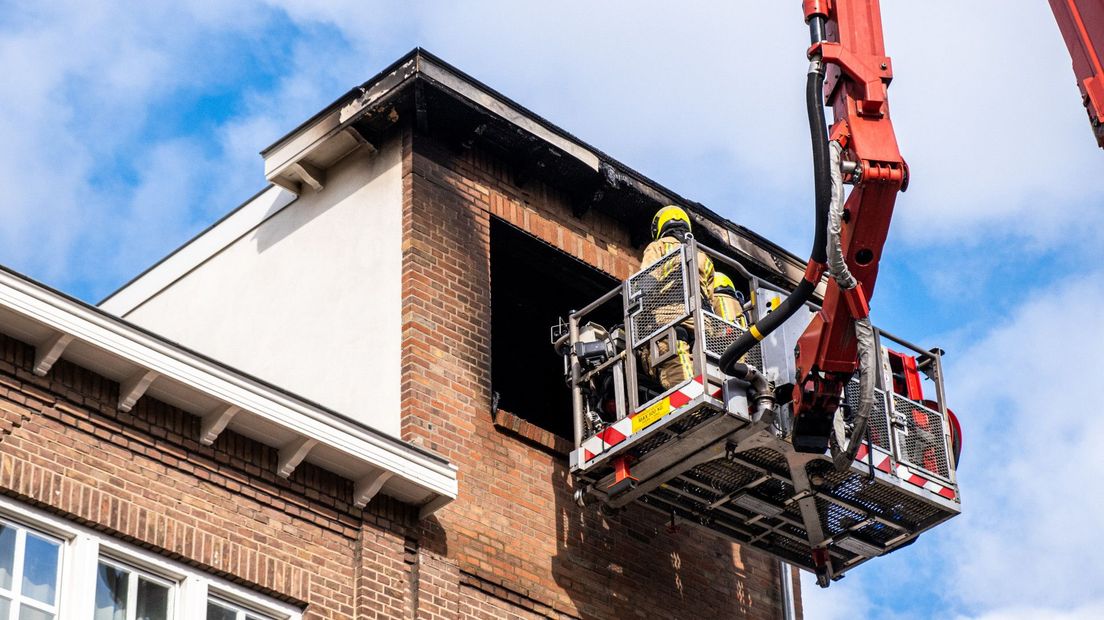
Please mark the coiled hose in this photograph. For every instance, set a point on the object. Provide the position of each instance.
(842, 455)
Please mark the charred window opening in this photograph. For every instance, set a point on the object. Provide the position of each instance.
(533, 286)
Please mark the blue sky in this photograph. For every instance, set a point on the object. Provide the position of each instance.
(129, 127)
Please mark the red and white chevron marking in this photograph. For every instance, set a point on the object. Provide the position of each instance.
(881, 461)
(884, 463)
(619, 431)
(908, 475)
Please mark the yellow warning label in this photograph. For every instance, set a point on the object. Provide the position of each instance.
(651, 415)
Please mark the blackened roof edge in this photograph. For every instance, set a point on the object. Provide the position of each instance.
(642, 183)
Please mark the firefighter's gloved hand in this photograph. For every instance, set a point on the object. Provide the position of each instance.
(685, 335)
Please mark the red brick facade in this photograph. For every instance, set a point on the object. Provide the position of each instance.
(144, 477)
(515, 525)
(513, 545)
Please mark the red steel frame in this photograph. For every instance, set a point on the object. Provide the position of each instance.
(856, 82)
(1082, 26)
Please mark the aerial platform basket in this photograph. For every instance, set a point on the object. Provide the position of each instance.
(697, 454)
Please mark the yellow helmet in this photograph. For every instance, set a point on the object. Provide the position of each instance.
(665, 216)
(722, 281)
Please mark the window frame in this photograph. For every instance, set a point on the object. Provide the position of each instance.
(241, 612)
(134, 574)
(17, 601)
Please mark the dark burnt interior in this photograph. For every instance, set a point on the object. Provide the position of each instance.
(533, 287)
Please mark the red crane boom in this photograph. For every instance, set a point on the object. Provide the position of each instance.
(1082, 26)
(856, 82)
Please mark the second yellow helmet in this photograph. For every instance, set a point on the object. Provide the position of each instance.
(722, 281)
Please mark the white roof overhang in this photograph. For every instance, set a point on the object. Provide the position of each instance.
(146, 364)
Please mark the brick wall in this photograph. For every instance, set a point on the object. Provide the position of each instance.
(144, 477)
(519, 544)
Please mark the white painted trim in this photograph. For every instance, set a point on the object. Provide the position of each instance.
(311, 175)
(173, 584)
(368, 486)
(331, 121)
(80, 559)
(134, 387)
(433, 506)
(193, 598)
(295, 149)
(14, 593)
(119, 338)
(198, 250)
(293, 453)
(48, 351)
(215, 422)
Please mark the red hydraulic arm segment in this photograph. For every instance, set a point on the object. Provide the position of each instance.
(1082, 26)
(856, 82)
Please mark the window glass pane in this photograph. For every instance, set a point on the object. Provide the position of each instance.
(30, 613)
(5, 607)
(40, 565)
(7, 556)
(153, 601)
(111, 593)
(218, 612)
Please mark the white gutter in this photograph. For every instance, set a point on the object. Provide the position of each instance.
(789, 608)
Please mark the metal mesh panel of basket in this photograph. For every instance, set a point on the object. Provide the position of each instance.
(835, 518)
(787, 540)
(878, 422)
(656, 440)
(733, 524)
(662, 293)
(879, 533)
(924, 446)
(719, 333)
(670, 499)
(878, 498)
(722, 476)
(768, 459)
(794, 551)
(755, 357)
(689, 421)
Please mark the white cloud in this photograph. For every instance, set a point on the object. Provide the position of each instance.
(170, 183)
(1024, 546)
(708, 99)
(1026, 393)
(995, 134)
(89, 199)
(1078, 612)
(843, 600)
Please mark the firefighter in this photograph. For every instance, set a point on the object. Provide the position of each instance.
(669, 229)
(726, 301)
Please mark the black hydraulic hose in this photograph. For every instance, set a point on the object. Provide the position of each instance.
(762, 395)
(822, 174)
(818, 131)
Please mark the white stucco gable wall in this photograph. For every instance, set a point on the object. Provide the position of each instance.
(307, 298)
